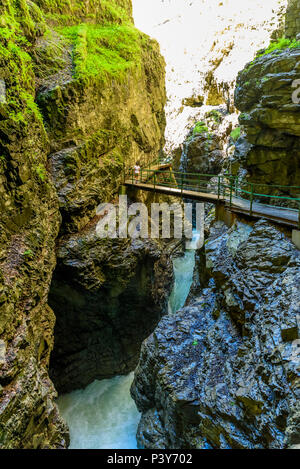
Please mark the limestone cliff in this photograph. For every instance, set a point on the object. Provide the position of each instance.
(81, 96)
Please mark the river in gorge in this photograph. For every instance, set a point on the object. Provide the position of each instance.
(103, 415)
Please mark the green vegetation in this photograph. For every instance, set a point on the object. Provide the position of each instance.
(275, 48)
(28, 253)
(199, 128)
(235, 134)
(17, 29)
(215, 115)
(72, 12)
(41, 172)
(102, 51)
(106, 45)
(280, 44)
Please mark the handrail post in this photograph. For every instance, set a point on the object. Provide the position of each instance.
(231, 189)
(132, 176)
(154, 180)
(251, 200)
(219, 187)
(181, 184)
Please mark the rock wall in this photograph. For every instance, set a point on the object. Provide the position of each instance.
(108, 296)
(224, 371)
(103, 109)
(69, 124)
(29, 225)
(264, 95)
(292, 19)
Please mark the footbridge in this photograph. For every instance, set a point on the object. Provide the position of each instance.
(280, 204)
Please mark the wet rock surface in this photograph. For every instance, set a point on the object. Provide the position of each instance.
(108, 296)
(224, 371)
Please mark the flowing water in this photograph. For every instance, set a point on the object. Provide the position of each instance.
(103, 415)
(183, 277)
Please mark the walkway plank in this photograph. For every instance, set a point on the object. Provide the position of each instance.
(280, 215)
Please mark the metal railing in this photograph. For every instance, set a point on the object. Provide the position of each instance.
(226, 187)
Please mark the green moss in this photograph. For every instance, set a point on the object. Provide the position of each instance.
(41, 172)
(199, 128)
(102, 51)
(244, 117)
(72, 12)
(215, 115)
(235, 134)
(17, 28)
(28, 253)
(280, 44)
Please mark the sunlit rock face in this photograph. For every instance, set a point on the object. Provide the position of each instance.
(264, 95)
(205, 44)
(224, 371)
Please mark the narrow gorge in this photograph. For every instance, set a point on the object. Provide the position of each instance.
(121, 341)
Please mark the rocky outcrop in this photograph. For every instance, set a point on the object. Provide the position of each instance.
(264, 95)
(292, 19)
(108, 296)
(208, 145)
(224, 371)
(103, 112)
(205, 45)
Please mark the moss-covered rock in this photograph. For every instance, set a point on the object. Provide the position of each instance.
(63, 121)
(106, 106)
(28, 227)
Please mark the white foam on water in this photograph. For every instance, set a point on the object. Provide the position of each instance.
(101, 416)
(183, 273)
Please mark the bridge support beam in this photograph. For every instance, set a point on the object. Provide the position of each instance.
(122, 190)
(224, 215)
(296, 238)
